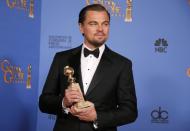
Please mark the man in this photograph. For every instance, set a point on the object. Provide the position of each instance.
(105, 79)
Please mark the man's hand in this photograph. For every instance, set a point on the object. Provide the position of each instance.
(85, 114)
(72, 95)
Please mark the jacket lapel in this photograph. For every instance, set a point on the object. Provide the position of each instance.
(101, 71)
(75, 64)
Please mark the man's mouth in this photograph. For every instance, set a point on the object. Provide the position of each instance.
(100, 34)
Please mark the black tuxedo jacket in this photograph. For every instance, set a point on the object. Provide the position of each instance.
(111, 90)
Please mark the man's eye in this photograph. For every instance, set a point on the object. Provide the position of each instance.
(106, 24)
(93, 24)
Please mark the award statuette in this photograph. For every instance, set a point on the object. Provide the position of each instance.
(128, 16)
(69, 71)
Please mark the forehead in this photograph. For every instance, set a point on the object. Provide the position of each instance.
(96, 16)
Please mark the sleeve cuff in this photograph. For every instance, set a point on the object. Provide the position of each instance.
(65, 109)
(95, 125)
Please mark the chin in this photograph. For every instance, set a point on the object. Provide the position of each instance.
(98, 44)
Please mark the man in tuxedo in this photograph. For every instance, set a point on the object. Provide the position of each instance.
(105, 79)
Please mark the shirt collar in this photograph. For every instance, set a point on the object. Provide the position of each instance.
(101, 49)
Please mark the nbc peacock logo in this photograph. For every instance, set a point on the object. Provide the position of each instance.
(161, 45)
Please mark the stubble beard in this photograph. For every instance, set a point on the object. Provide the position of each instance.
(96, 43)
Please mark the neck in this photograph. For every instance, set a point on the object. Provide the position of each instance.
(91, 47)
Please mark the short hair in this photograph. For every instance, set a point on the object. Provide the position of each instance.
(92, 7)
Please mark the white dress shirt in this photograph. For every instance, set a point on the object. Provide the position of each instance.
(89, 65)
(88, 68)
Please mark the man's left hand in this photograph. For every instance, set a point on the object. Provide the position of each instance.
(85, 114)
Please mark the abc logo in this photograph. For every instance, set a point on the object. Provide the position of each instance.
(159, 116)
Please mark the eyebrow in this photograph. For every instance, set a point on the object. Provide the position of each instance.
(97, 22)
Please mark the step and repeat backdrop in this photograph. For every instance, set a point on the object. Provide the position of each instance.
(153, 34)
(19, 64)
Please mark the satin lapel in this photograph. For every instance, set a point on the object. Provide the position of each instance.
(101, 71)
(75, 64)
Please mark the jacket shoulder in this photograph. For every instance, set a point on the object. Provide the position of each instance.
(118, 58)
(69, 51)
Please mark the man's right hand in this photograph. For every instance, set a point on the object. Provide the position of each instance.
(72, 95)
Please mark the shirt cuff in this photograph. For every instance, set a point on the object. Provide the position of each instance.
(95, 124)
(65, 109)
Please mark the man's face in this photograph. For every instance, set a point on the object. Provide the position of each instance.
(95, 28)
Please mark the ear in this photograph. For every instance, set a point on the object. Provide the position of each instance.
(81, 28)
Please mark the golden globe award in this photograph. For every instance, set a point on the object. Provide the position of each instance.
(69, 72)
(128, 16)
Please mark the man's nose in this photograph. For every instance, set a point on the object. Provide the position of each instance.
(100, 28)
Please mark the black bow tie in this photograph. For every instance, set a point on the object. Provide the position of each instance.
(94, 52)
